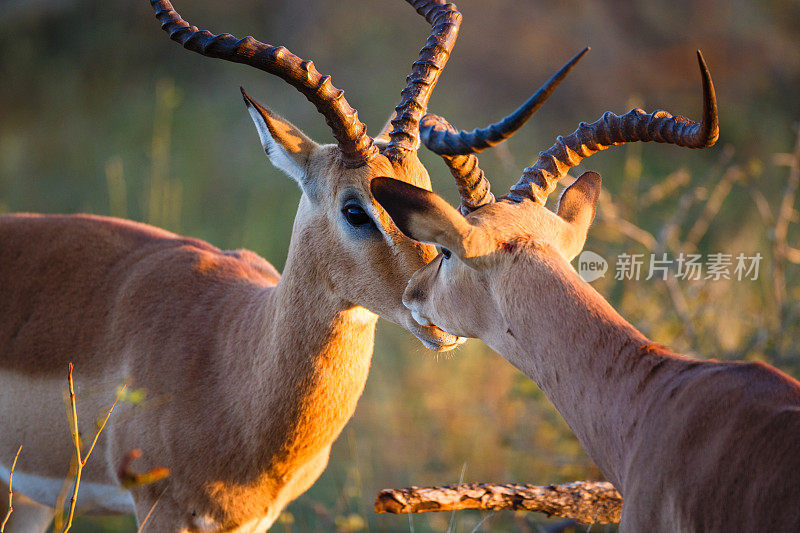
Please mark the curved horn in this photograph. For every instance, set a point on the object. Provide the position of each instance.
(457, 148)
(356, 146)
(473, 186)
(442, 139)
(539, 180)
(445, 21)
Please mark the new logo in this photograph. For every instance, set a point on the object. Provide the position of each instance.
(591, 266)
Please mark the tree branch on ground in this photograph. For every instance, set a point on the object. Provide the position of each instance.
(589, 502)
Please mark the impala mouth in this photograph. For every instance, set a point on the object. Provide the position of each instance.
(434, 338)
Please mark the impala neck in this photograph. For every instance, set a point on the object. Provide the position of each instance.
(592, 364)
(308, 366)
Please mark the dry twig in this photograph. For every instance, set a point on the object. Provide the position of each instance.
(785, 216)
(608, 213)
(586, 501)
(150, 512)
(10, 491)
(713, 205)
(79, 458)
(665, 188)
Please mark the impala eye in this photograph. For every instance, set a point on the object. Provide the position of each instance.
(356, 216)
(445, 252)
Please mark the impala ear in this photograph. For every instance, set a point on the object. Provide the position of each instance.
(288, 148)
(577, 207)
(424, 216)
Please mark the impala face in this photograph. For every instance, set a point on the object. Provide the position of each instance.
(332, 221)
(368, 261)
(459, 290)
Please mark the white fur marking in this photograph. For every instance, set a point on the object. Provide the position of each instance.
(205, 523)
(277, 154)
(362, 315)
(96, 496)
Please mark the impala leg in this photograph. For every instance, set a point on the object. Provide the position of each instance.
(28, 516)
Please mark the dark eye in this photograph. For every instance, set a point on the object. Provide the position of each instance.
(445, 253)
(355, 215)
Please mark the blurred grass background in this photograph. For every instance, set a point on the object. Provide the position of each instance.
(101, 113)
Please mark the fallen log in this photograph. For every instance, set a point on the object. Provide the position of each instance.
(589, 502)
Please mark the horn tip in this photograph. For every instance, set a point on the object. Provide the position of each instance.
(710, 116)
(579, 55)
(246, 97)
(572, 62)
(704, 72)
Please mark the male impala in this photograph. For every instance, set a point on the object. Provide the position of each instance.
(250, 375)
(692, 445)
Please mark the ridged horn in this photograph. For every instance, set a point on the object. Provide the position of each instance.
(356, 146)
(445, 21)
(539, 180)
(442, 139)
(457, 148)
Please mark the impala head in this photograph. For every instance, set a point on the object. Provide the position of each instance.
(361, 255)
(339, 229)
(459, 290)
(488, 243)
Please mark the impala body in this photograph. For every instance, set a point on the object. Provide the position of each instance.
(249, 376)
(692, 445)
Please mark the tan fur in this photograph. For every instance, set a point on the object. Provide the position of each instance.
(693, 445)
(249, 376)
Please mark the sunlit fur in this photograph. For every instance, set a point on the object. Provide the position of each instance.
(693, 445)
(249, 375)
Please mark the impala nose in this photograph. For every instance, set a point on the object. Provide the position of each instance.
(411, 296)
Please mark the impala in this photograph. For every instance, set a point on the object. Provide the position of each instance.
(251, 375)
(692, 445)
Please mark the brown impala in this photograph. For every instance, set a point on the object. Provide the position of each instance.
(692, 445)
(251, 374)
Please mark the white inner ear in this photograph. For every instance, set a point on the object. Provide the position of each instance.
(277, 153)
